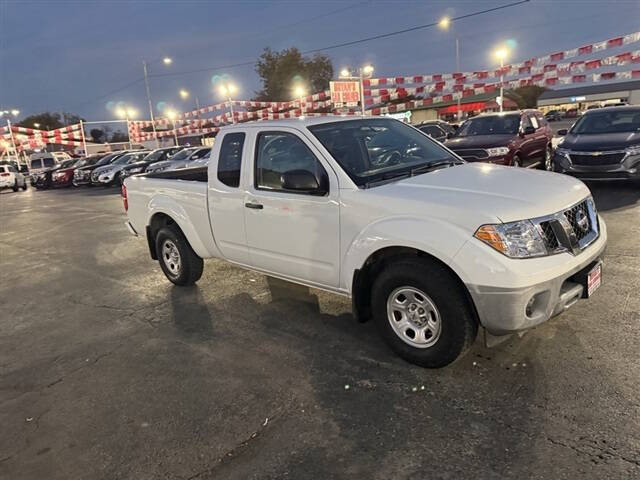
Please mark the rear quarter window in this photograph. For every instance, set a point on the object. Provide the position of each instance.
(230, 159)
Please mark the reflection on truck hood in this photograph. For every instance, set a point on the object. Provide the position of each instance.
(479, 193)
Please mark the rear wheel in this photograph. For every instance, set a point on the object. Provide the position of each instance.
(24, 185)
(422, 312)
(15, 186)
(178, 261)
(516, 162)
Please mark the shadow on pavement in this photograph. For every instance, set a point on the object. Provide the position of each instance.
(612, 195)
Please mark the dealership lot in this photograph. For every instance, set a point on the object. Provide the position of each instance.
(109, 371)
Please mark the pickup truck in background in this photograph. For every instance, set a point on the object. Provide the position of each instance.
(427, 245)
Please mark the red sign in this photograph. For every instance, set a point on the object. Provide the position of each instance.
(345, 92)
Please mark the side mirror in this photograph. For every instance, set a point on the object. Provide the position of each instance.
(302, 181)
(528, 130)
(562, 132)
(450, 135)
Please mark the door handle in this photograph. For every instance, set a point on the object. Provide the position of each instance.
(255, 206)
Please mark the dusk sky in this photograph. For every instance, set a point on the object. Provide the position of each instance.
(77, 56)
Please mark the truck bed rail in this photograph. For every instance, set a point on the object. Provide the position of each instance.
(197, 174)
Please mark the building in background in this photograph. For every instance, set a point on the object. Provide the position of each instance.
(591, 96)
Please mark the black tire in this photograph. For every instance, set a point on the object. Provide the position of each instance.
(24, 185)
(458, 328)
(189, 269)
(548, 166)
(516, 162)
(15, 186)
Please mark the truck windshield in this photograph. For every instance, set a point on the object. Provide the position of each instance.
(624, 120)
(371, 150)
(490, 125)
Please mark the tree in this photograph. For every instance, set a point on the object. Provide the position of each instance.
(118, 136)
(49, 120)
(527, 97)
(96, 135)
(279, 72)
(46, 120)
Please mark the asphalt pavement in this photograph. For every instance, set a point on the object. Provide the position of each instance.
(107, 371)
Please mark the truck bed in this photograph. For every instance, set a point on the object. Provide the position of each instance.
(197, 174)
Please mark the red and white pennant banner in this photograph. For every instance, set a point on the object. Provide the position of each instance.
(512, 69)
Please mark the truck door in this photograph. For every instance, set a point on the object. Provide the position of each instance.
(292, 209)
(226, 198)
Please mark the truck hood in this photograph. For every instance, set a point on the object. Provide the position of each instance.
(479, 141)
(476, 193)
(600, 142)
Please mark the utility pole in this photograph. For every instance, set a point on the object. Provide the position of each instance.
(146, 83)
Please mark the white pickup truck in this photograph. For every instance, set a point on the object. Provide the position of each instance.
(429, 246)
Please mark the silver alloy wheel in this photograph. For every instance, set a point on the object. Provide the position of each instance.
(547, 159)
(517, 162)
(414, 317)
(171, 257)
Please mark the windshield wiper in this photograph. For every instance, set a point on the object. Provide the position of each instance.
(429, 167)
(387, 177)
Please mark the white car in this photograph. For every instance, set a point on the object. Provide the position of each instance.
(10, 177)
(429, 246)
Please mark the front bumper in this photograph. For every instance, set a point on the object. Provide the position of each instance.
(503, 310)
(628, 169)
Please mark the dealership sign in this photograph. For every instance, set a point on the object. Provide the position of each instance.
(345, 93)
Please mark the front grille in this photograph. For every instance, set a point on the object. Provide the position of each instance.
(571, 230)
(473, 153)
(579, 220)
(549, 237)
(596, 158)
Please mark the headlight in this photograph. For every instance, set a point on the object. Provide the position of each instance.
(498, 151)
(563, 152)
(135, 170)
(633, 150)
(516, 239)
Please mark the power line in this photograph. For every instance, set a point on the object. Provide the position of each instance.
(346, 44)
(315, 50)
(413, 29)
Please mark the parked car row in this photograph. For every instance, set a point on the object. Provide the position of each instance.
(604, 143)
(112, 168)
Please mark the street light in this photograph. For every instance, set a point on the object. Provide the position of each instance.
(36, 125)
(226, 90)
(444, 24)
(363, 72)
(183, 94)
(172, 115)
(145, 68)
(299, 92)
(501, 54)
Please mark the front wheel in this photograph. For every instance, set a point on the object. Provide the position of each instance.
(516, 162)
(422, 312)
(24, 185)
(15, 186)
(548, 160)
(178, 261)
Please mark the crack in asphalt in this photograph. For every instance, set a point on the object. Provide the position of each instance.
(237, 449)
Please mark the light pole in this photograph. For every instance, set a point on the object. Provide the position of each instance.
(444, 24)
(172, 115)
(13, 112)
(166, 61)
(184, 94)
(501, 54)
(226, 90)
(363, 72)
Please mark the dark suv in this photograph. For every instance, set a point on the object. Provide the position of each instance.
(603, 144)
(519, 139)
